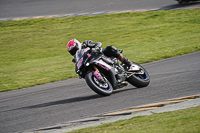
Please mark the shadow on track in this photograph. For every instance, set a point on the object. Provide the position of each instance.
(123, 90)
(70, 100)
(65, 101)
(177, 6)
(74, 100)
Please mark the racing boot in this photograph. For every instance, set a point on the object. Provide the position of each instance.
(125, 61)
(130, 67)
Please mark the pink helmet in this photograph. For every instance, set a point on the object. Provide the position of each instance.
(72, 46)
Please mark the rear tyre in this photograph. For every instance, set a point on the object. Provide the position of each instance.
(139, 80)
(104, 89)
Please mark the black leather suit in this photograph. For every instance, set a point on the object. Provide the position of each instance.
(109, 51)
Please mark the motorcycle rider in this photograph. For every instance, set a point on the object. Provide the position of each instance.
(96, 47)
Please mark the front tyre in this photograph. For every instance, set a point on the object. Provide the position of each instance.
(104, 89)
(139, 80)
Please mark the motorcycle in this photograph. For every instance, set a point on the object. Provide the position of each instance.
(104, 74)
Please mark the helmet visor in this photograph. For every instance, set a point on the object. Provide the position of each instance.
(73, 51)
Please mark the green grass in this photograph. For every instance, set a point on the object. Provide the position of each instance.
(33, 52)
(181, 121)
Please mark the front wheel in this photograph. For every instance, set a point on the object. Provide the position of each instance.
(104, 89)
(141, 79)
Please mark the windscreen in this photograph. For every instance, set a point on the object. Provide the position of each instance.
(80, 53)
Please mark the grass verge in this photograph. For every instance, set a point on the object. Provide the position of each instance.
(181, 121)
(33, 52)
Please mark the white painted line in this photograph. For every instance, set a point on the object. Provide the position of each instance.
(97, 13)
(82, 14)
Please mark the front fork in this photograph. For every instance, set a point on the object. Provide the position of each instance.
(104, 80)
(95, 68)
(98, 75)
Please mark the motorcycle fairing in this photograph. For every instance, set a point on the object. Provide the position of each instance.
(111, 70)
(134, 67)
(83, 62)
(103, 65)
(81, 57)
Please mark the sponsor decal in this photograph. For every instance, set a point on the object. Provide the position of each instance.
(80, 62)
(102, 66)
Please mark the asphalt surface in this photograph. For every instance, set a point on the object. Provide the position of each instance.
(46, 105)
(29, 8)
(99, 120)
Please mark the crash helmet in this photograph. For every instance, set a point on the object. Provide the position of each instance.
(72, 46)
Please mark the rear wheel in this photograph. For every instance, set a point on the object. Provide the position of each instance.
(140, 79)
(104, 89)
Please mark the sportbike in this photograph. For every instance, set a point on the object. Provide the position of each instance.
(104, 74)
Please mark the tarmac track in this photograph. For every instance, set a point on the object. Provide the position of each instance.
(54, 103)
(18, 9)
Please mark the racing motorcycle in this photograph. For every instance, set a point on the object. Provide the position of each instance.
(104, 74)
